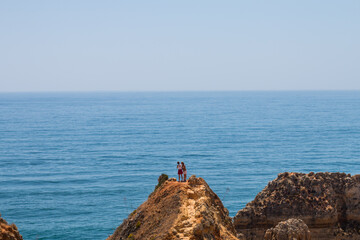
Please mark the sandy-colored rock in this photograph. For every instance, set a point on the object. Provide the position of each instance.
(178, 210)
(9, 232)
(329, 204)
(291, 229)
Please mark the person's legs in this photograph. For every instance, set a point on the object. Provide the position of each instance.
(179, 177)
(185, 176)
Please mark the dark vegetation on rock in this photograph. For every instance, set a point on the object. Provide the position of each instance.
(162, 178)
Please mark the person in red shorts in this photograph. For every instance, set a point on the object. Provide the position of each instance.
(180, 171)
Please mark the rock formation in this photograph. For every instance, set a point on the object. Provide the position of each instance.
(322, 205)
(329, 203)
(291, 229)
(177, 210)
(9, 232)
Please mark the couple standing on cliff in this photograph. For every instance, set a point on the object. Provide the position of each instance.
(181, 171)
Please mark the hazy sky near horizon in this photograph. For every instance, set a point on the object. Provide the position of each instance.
(160, 45)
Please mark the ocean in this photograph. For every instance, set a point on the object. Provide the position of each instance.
(74, 165)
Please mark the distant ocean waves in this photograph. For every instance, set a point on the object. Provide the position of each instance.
(76, 164)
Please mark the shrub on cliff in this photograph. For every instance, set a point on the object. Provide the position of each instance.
(162, 178)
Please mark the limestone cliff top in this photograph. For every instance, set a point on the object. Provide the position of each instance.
(178, 210)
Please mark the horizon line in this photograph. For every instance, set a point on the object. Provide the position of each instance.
(179, 91)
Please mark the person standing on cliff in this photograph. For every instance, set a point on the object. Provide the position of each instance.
(184, 171)
(180, 171)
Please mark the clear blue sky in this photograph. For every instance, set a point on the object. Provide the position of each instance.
(179, 45)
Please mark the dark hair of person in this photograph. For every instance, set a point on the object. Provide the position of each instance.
(178, 163)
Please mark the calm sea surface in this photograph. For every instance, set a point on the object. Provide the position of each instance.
(74, 165)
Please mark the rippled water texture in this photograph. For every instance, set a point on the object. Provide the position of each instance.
(73, 165)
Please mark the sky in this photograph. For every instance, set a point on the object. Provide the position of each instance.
(187, 45)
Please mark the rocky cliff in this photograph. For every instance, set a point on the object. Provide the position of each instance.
(322, 205)
(9, 232)
(294, 206)
(177, 210)
(329, 203)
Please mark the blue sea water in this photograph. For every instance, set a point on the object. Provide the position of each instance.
(74, 165)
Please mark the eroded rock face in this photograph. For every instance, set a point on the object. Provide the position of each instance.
(291, 229)
(9, 232)
(329, 203)
(176, 210)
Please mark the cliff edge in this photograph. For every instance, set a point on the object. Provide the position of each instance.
(178, 210)
(329, 204)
